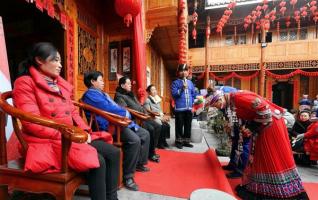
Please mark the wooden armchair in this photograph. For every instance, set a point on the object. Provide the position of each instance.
(139, 116)
(116, 122)
(62, 185)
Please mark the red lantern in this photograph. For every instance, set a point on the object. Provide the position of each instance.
(293, 2)
(194, 33)
(128, 9)
(208, 31)
(283, 10)
(265, 6)
(315, 19)
(194, 18)
(282, 4)
(266, 26)
(273, 17)
(313, 9)
(304, 14)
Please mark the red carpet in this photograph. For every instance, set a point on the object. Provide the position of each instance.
(311, 188)
(178, 174)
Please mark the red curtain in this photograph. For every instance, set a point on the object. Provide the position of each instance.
(140, 57)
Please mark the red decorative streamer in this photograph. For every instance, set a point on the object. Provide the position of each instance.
(233, 75)
(70, 45)
(286, 76)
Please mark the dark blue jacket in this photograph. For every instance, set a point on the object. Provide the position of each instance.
(183, 97)
(101, 100)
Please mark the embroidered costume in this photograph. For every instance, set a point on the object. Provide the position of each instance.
(271, 171)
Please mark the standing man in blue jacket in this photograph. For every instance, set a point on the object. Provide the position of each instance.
(183, 93)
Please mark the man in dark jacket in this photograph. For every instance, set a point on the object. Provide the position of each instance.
(126, 98)
(135, 139)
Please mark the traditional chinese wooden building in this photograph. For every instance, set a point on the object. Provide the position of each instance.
(92, 35)
(269, 47)
(279, 62)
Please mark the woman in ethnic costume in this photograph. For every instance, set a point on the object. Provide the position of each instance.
(271, 172)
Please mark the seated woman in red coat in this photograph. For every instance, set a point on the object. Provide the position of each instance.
(271, 171)
(311, 141)
(40, 90)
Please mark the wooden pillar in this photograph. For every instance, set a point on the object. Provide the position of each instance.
(207, 69)
(261, 85)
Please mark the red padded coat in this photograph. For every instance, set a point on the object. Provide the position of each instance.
(311, 141)
(32, 94)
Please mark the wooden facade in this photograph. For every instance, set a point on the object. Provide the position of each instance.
(241, 51)
(96, 31)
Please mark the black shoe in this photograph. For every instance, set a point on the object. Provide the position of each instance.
(186, 144)
(165, 144)
(154, 158)
(142, 168)
(234, 175)
(157, 155)
(228, 167)
(130, 184)
(161, 146)
(179, 145)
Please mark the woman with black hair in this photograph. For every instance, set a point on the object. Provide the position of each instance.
(41, 91)
(152, 103)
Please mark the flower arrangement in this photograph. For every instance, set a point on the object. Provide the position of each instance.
(198, 105)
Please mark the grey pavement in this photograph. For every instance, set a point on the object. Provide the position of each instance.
(308, 174)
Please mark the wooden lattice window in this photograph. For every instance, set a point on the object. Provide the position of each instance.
(87, 51)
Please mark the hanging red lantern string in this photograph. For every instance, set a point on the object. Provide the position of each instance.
(282, 9)
(182, 30)
(208, 29)
(225, 17)
(233, 75)
(254, 15)
(128, 9)
(291, 74)
(194, 20)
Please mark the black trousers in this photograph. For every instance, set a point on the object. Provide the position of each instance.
(103, 181)
(154, 129)
(165, 133)
(183, 126)
(136, 148)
